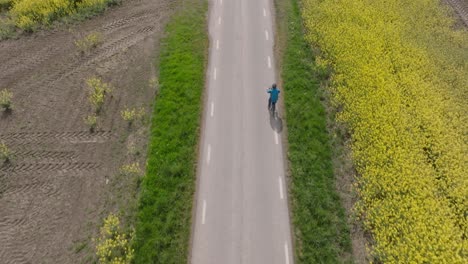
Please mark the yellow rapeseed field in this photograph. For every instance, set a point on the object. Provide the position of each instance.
(400, 84)
(28, 14)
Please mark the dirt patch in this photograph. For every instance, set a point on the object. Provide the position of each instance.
(55, 192)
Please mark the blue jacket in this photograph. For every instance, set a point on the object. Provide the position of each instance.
(274, 94)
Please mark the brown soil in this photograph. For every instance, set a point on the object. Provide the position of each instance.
(55, 192)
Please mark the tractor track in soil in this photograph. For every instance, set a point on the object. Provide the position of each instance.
(48, 136)
(49, 166)
(56, 182)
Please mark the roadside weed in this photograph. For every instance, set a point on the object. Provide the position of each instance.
(91, 121)
(154, 83)
(133, 114)
(98, 90)
(26, 23)
(132, 169)
(5, 153)
(5, 99)
(113, 245)
(89, 42)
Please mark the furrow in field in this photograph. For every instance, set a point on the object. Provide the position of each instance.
(74, 137)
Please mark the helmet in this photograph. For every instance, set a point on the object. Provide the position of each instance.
(273, 86)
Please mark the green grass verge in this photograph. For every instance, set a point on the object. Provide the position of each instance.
(165, 205)
(319, 220)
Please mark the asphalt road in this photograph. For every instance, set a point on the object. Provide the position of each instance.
(242, 210)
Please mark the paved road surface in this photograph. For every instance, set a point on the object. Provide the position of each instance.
(242, 209)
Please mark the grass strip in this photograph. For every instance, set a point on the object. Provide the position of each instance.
(167, 190)
(319, 220)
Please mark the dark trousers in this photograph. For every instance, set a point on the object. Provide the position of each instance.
(271, 103)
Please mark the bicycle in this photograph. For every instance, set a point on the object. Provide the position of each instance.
(272, 108)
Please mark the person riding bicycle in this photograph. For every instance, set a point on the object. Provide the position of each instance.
(274, 94)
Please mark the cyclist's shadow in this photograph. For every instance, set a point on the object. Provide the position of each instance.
(276, 122)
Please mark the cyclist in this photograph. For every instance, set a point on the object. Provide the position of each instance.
(274, 94)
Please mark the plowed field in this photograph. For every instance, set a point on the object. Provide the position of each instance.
(54, 192)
